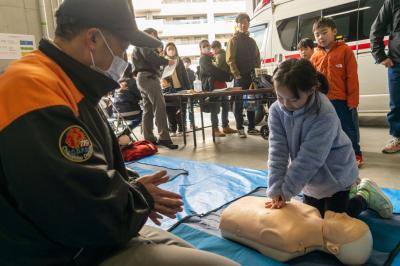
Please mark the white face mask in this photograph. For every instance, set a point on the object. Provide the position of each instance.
(117, 67)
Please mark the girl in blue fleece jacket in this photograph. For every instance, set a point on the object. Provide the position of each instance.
(308, 150)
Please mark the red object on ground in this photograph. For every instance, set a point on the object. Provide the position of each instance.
(138, 150)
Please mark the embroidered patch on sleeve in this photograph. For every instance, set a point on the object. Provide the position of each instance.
(75, 144)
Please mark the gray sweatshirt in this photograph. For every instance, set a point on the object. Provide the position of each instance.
(322, 160)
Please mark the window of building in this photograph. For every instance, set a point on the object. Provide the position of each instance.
(225, 18)
(287, 31)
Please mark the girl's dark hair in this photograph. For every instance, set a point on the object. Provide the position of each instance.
(202, 42)
(170, 44)
(300, 75)
(306, 42)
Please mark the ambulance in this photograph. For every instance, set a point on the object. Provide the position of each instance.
(277, 26)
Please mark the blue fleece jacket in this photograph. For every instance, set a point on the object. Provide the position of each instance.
(322, 160)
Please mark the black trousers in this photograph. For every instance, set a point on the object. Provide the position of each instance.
(175, 117)
(339, 202)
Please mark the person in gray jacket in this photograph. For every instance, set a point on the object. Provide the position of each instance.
(389, 18)
(305, 128)
(147, 64)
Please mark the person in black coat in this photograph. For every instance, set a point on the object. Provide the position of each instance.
(127, 99)
(211, 77)
(389, 18)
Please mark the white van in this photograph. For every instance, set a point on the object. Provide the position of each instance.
(278, 25)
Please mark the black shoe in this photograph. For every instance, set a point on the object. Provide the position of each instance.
(168, 143)
(155, 142)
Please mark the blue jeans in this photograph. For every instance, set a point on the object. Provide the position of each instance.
(394, 94)
(349, 124)
(245, 83)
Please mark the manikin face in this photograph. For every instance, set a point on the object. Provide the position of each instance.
(306, 52)
(325, 36)
(171, 51)
(243, 25)
(288, 100)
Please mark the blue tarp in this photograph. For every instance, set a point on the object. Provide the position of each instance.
(203, 233)
(207, 187)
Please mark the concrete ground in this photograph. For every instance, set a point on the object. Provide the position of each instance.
(252, 152)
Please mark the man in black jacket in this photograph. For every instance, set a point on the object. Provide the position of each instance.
(147, 64)
(65, 195)
(389, 17)
(243, 56)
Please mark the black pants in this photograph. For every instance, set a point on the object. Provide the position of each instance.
(245, 83)
(339, 202)
(175, 117)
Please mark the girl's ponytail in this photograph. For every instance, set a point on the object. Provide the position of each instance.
(322, 84)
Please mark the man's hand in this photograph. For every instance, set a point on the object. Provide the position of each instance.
(238, 77)
(165, 202)
(275, 203)
(387, 63)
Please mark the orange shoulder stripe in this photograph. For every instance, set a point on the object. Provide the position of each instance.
(34, 82)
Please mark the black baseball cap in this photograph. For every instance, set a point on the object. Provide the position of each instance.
(116, 16)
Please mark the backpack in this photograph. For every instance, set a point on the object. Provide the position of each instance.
(138, 150)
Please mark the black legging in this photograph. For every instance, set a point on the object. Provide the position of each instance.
(339, 202)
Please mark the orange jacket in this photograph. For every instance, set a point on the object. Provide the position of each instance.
(339, 66)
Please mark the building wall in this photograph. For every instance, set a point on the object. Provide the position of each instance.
(186, 22)
(23, 17)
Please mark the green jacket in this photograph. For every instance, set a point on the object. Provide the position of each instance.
(242, 54)
(220, 61)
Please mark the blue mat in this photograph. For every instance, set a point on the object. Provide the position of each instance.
(203, 233)
(205, 187)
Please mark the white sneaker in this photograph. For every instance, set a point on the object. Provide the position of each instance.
(172, 134)
(392, 146)
(242, 134)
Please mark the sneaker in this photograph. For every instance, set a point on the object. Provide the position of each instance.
(392, 146)
(168, 143)
(218, 133)
(228, 130)
(354, 188)
(180, 134)
(242, 134)
(172, 134)
(360, 160)
(253, 132)
(375, 198)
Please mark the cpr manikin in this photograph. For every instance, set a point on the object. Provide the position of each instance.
(296, 230)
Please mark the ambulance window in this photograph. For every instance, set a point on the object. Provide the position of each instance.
(345, 17)
(369, 9)
(287, 31)
(258, 34)
(306, 22)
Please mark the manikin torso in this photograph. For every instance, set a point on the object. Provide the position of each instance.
(295, 230)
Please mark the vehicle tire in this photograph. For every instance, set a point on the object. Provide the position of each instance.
(259, 114)
(265, 131)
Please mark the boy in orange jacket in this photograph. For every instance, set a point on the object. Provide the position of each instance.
(338, 63)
